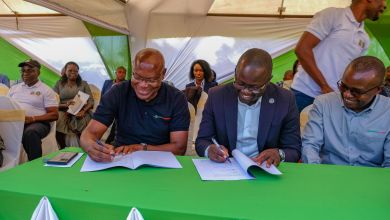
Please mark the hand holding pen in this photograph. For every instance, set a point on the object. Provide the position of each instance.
(218, 152)
(101, 152)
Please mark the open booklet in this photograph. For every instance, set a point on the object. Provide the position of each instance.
(236, 169)
(135, 160)
(78, 102)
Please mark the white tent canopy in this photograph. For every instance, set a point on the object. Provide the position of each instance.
(183, 32)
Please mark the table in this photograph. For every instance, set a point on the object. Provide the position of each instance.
(303, 192)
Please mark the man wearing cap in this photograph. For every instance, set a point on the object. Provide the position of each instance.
(252, 115)
(40, 105)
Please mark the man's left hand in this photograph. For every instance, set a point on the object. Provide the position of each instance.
(271, 156)
(128, 149)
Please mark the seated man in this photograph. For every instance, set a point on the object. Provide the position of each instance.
(252, 115)
(40, 104)
(120, 77)
(386, 87)
(108, 84)
(150, 115)
(351, 127)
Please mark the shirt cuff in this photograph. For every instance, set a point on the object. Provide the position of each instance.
(206, 152)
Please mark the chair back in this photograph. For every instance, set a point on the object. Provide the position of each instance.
(190, 144)
(3, 89)
(96, 93)
(11, 130)
(304, 117)
(198, 116)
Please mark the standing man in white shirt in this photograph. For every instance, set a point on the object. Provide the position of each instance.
(40, 105)
(332, 40)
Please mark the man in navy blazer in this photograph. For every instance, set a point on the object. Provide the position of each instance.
(252, 115)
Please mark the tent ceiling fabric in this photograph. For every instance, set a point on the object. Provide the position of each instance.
(8, 7)
(54, 41)
(271, 7)
(110, 14)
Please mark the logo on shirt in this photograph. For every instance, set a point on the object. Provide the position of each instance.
(37, 93)
(376, 131)
(161, 117)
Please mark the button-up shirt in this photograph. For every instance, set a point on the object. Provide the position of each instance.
(247, 128)
(338, 135)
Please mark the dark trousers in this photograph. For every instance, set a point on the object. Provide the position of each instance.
(302, 99)
(32, 138)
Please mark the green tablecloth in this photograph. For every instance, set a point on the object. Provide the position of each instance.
(302, 192)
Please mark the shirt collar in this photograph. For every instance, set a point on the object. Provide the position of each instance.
(33, 86)
(370, 108)
(352, 19)
(256, 105)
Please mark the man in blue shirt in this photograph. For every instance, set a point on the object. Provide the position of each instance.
(252, 115)
(150, 115)
(120, 77)
(351, 127)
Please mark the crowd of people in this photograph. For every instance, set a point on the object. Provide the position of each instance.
(348, 94)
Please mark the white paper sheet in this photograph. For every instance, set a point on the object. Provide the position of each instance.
(134, 160)
(210, 170)
(44, 211)
(70, 164)
(238, 169)
(79, 101)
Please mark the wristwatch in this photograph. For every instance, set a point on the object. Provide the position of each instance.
(144, 146)
(282, 155)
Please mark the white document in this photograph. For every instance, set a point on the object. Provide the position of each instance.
(135, 215)
(135, 160)
(44, 211)
(70, 164)
(236, 169)
(79, 101)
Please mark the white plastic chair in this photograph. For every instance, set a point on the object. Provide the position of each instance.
(3, 89)
(11, 130)
(49, 144)
(96, 95)
(198, 116)
(304, 117)
(190, 146)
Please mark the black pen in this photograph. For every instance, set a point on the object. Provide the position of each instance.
(219, 147)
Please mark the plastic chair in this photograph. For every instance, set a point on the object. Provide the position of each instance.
(304, 117)
(190, 146)
(11, 130)
(3, 89)
(96, 95)
(198, 116)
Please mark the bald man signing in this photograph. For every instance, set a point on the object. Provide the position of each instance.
(252, 115)
(150, 115)
(352, 126)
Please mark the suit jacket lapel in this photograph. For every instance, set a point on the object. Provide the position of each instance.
(231, 108)
(268, 108)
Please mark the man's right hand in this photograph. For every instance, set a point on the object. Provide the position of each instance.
(218, 155)
(100, 153)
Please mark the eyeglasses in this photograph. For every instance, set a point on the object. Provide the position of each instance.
(354, 92)
(253, 89)
(138, 78)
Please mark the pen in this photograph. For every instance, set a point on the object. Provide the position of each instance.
(219, 147)
(101, 144)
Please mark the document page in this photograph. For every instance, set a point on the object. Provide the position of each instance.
(210, 170)
(245, 162)
(155, 159)
(79, 101)
(119, 161)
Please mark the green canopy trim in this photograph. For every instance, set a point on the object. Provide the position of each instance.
(113, 48)
(10, 57)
